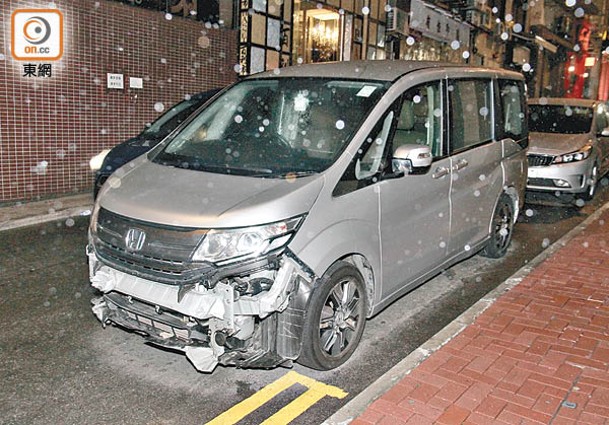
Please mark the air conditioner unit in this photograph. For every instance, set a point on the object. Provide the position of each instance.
(480, 18)
(397, 21)
(474, 17)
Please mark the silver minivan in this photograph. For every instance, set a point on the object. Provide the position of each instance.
(300, 202)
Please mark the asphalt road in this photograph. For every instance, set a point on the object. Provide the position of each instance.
(58, 365)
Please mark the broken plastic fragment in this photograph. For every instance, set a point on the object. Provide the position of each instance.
(202, 358)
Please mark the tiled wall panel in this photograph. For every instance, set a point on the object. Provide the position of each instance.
(51, 126)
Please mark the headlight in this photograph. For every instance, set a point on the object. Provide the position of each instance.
(228, 245)
(579, 155)
(97, 161)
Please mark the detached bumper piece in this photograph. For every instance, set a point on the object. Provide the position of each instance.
(211, 326)
(173, 331)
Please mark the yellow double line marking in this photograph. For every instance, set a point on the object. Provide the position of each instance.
(315, 392)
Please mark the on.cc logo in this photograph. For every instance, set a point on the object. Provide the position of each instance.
(37, 34)
(37, 30)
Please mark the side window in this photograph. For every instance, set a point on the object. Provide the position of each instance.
(373, 150)
(470, 113)
(372, 157)
(601, 119)
(511, 102)
(420, 119)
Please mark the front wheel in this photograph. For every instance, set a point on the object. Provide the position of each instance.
(335, 318)
(502, 228)
(592, 180)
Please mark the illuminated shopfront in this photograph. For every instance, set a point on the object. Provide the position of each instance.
(277, 33)
(338, 30)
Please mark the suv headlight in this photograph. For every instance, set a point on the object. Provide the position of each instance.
(578, 155)
(224, 246)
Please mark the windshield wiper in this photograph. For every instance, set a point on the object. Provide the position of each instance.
(249, 171)
(301, 173)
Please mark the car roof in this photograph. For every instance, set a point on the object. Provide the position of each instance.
(563, 101)
(380, 70)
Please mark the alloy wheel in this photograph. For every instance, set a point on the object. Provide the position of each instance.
(340, 318)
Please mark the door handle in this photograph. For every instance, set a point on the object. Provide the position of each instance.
(440, 172)
(462, 163)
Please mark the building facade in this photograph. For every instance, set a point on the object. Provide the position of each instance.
(51, 123)
(56, 115)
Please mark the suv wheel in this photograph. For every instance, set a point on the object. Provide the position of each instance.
(502, 228)
(335, 318)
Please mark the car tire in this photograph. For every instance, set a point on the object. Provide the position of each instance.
(592, 181)
(502, 228)
(335, 318)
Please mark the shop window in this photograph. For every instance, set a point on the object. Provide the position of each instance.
(265, 34)
(257, 55)
(323, 30)
(380, 36)
(201, 10)
(260, 5)
(273, 38)
(318, 34)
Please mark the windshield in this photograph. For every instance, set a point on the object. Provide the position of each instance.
(560, 119)
(274, 127)
(165, 124)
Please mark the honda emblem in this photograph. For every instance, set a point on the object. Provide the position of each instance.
(134, 239)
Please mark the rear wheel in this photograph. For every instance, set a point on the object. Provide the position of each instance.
(502, 228)
(335, 318)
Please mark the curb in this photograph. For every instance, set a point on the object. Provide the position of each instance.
(58, 215)
(360, 402)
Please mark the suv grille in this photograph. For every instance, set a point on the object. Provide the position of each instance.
(162, 254)
(540, 160)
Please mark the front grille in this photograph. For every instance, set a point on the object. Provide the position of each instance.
(164, 256)
(539, 160)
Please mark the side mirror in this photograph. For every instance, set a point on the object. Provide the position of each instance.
(411, 159)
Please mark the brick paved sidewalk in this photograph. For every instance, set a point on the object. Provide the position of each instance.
(538, 355)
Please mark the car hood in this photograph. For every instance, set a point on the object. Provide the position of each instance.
(556, 144)
(178, 197)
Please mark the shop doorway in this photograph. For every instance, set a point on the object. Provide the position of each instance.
(321, 35)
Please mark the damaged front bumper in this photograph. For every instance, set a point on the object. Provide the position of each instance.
(210, 325)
